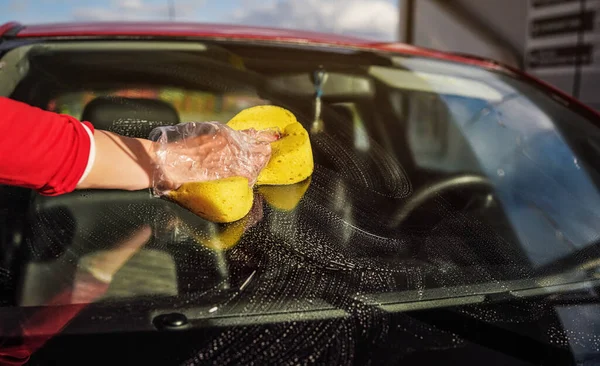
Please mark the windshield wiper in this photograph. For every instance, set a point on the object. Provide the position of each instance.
(483, 293)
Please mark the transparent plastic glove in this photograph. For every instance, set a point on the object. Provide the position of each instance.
(204, 151)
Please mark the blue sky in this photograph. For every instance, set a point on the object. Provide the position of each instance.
(376, 19)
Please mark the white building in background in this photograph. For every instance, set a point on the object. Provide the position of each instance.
(562, 46)
(542, 36)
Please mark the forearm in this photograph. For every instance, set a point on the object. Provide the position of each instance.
(120, 163)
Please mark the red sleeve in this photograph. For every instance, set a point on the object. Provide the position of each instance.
(42, 150)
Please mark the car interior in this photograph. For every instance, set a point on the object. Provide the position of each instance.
(372, 221)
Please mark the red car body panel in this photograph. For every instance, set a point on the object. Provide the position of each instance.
(230, 32)
(248, 33)
(181, 30)
(8, 26)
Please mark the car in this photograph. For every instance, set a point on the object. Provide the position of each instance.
(453, 215)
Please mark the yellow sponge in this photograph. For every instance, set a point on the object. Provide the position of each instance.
(222, 200)
(291, 157)
(228, 200)
(262, 117)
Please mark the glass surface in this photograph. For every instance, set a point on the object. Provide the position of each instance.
(449, 186)
(190, 105)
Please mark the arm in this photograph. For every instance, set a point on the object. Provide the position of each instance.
(133, 170)
(54, 153)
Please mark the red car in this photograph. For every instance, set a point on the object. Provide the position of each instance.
(453, 215)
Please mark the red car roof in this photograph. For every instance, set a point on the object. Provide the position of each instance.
(179, 29)
(220, 31)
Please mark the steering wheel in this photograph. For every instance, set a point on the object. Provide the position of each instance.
(421, 196)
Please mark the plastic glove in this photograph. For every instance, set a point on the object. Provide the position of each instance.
(204, 151)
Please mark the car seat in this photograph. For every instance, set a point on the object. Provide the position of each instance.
(133, 117)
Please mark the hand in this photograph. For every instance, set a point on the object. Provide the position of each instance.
(209, 151)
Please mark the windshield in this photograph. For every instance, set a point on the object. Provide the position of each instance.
(540, 156)
(435, 185)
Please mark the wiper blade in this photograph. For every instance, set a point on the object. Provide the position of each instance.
(481, 293)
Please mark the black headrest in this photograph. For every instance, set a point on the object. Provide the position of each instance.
(134, 117)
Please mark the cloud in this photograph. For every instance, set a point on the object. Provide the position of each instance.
(18, 6)
(138, 10)
(373, 19)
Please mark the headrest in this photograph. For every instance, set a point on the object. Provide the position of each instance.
(133, 117)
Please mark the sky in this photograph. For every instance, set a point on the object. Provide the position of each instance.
(373, 19)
